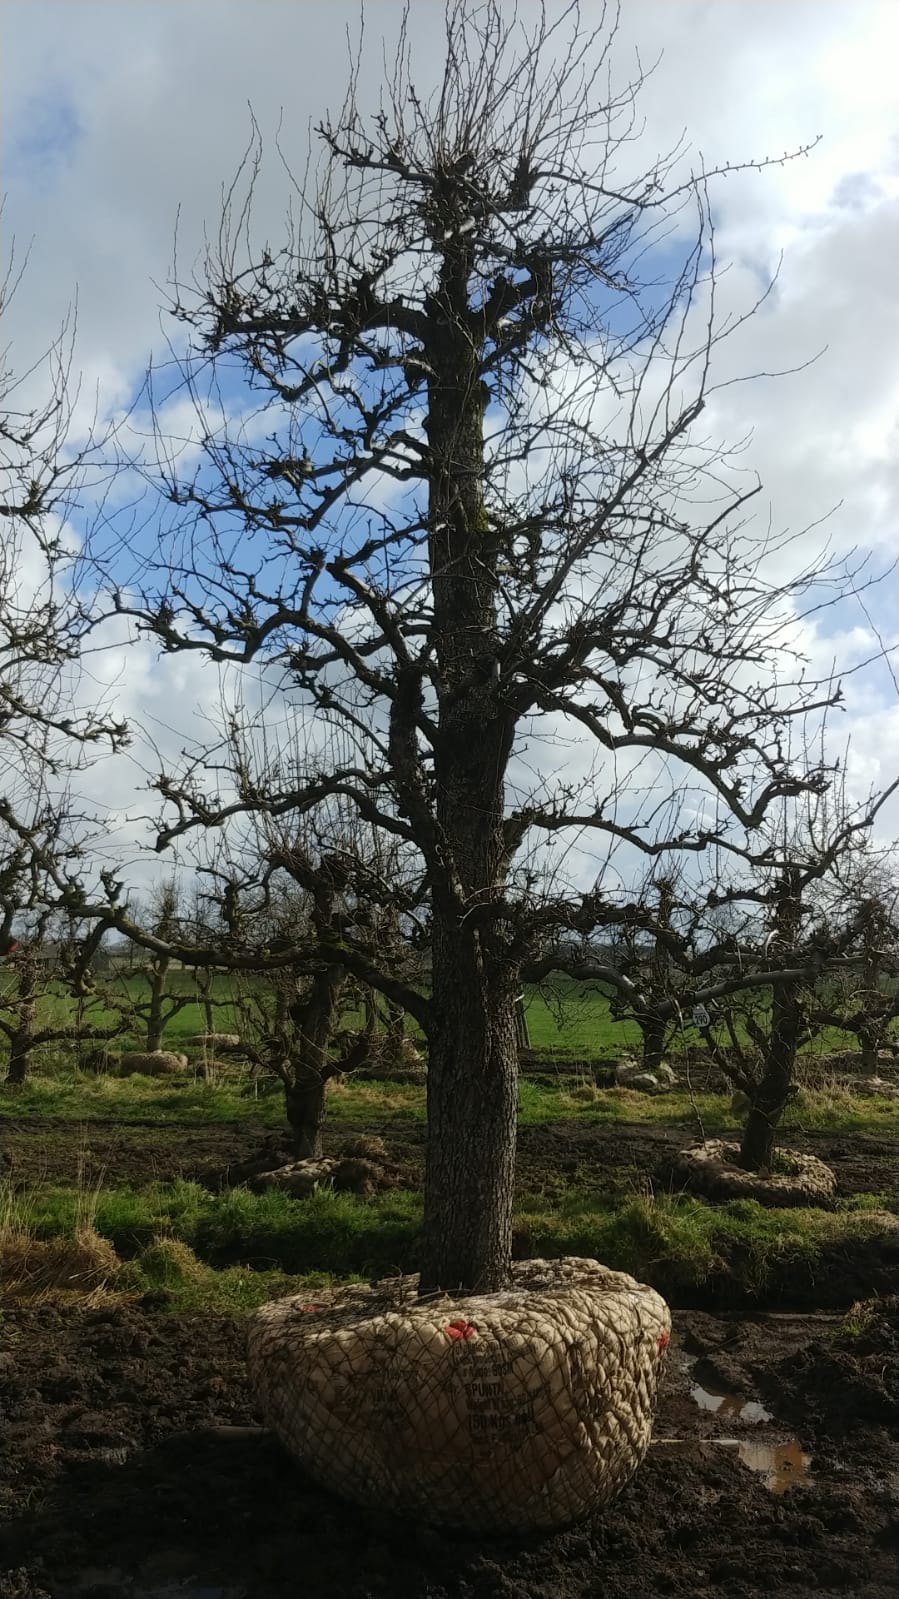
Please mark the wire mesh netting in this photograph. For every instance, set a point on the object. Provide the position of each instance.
(512, 1411)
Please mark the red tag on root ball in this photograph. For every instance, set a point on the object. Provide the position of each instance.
(662, 1341)
(459, 1329)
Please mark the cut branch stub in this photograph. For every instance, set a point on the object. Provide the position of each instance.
(510, 1412)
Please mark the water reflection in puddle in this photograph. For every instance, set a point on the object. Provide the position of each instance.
(748, 1410)
(782, 1465)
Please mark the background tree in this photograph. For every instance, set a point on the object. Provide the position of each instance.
(807, 941)
(164, 921)
(863, 1000)
(37, 1006)
(648, 962)
(481, 514)
(44, 732)
(43, 619)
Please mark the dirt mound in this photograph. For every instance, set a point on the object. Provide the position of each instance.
(851, 1380)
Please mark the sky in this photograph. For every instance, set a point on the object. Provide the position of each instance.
(118, 120)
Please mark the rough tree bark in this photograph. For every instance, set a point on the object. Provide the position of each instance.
(473, 1047)
(21, 1028)
(21, 1043)
(654, 1030)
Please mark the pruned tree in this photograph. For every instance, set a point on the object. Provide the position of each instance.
(153, 967)
(292, 1019)
(43, 619)
(808, 940)
(863, 1000)
(38, 864)
(44, 730)
(654, 980)
(477, 506)
(289, 1020)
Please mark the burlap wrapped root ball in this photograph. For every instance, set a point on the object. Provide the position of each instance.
(152, 1063)
(514, 1411)
(712, 1169)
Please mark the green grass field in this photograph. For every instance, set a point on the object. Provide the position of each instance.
(61, 1092)
(229, 1251)
(565, 1018)
(234, 1250)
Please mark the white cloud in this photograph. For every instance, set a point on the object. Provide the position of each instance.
(114, 117)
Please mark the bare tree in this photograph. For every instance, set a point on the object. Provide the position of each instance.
(810, 940)
(292, 1019)
(164, 921)
(37, 1005)
(647, 962)
(43, 621)
(863, 1000)
(475, 507)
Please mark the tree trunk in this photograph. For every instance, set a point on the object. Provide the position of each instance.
(472, 1042)
(472, 1120)
(870, 1024)
(653, 1029)
(652, 1025)
(313, 1020)
(306, 1114)
(156, 1013)
(869, 1042)
(370, 1015)
(21, 1039)
(394, 1033)
(522, 1031)
(772, 1093)
(21, 1045)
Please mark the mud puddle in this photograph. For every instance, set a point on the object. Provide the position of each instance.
(748, 1411)
(781, 1463)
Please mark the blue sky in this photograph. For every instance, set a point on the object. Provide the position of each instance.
(113, 117)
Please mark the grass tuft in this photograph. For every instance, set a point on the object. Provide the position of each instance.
(33, 1266)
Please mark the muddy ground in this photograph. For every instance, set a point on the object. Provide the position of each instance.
(551, 1157)
(114, 1482)
(124, 1470)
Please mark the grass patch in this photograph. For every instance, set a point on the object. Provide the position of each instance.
(546, 1102)
(327, 1232)
(173, 1234)
(837, 1109)
(680, 1243)
(82, 1263)
(75, 1097)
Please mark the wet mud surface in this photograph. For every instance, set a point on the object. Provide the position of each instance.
(127, 1469)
